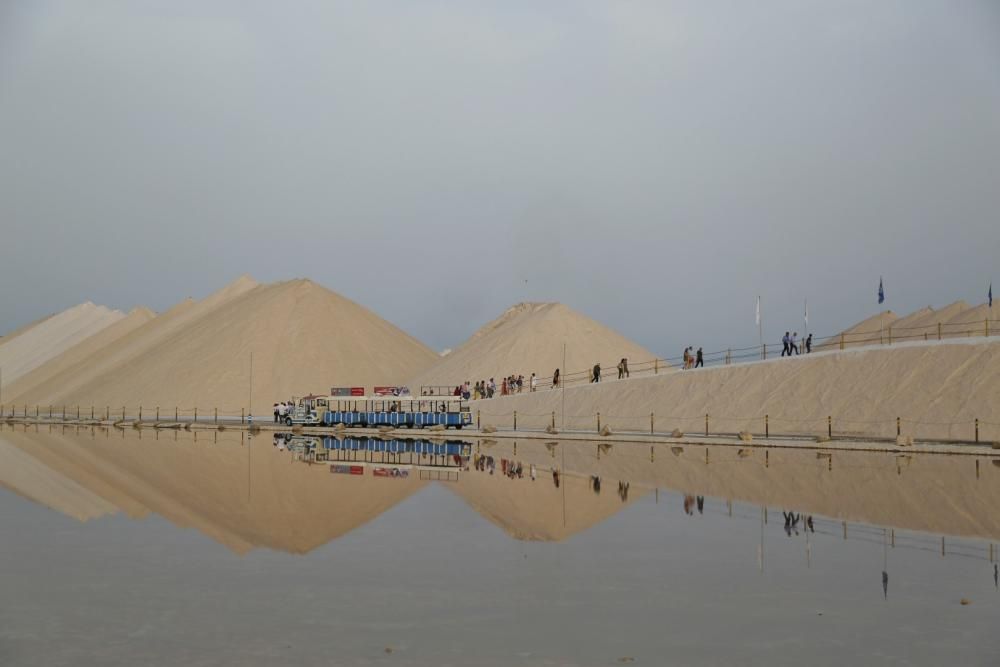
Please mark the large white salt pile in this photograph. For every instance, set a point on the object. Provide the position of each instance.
(136, 344)
(304, 339)
(529, 338)
(49, 338)
(74, 359)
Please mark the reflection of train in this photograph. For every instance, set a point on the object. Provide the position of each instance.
(398, 412)
(398, 451)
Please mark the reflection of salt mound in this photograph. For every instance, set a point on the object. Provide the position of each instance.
(32, 346)
(445, 352)
(240, 498)
(528, 338)
(538, 510)
(304, 338)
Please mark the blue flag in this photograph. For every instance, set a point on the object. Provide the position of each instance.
(990, 294)
(881, 292)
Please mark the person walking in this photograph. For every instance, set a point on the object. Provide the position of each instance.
(621, 369)
(534, 382)
(687, 358)
(275, 413)
(786, 342)
(809, 343)
(555, 379)
(700, 360)
(625, 365)
(793, 345)
(596, 377)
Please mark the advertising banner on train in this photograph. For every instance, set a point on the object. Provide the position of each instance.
(391, 391)
(398, 473)
(347, 391)
(347, 469)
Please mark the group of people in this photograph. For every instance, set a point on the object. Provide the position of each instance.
(512, 384)
(790, 344)
(509, 468)
(281, 411)
(792, 523)
(693, 359)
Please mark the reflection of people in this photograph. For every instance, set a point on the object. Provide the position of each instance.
(555, 478)
(595, 483)
(701, 504)
(688, 502)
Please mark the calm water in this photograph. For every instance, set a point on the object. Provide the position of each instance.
(165, 550)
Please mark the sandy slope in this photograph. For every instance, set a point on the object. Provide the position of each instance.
(74, 359)
(304, 338)
(135, 345)
(529, 338)
(53, 336)
(957, 320)
(943, 386)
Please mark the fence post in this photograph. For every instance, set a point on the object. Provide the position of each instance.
(729, 356)
(977, 429)
(91, 411)
(767, 428)
(78, 413)
(50, 412)
(987, 327)
(123, 413)
(157, 413)
(553, 419)
(477, 419)
(196, 414)
(829, 426)
(140, 413)
(890, 334)
(107, 413)
(651, 423)
(841, 341)
(706, 424)
(515, 420)
(216, 415)
(656, 366)
(939, 331)
(765, 351)
(598, 422)
(243, 415)
(898, 431)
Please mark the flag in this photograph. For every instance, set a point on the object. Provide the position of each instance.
(990, 294)
(758, 311)
(881, 292)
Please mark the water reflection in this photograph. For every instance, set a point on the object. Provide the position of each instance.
(299, 492)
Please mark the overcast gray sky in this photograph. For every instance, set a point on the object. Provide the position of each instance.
(656, 165)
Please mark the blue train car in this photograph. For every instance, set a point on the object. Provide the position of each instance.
(398, 412)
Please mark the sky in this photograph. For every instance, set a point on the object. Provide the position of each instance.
(655, 165)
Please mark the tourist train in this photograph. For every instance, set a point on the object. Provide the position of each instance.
(380, 410)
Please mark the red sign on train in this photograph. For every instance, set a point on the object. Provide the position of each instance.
(347, 391)
(391, 391)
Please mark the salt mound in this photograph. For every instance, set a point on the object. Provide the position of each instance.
(528, 338)
(304, 339)
(38, 343)
(866, 332)
(129, 348)
(74, 359)
(6, 338)
(957, 320)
